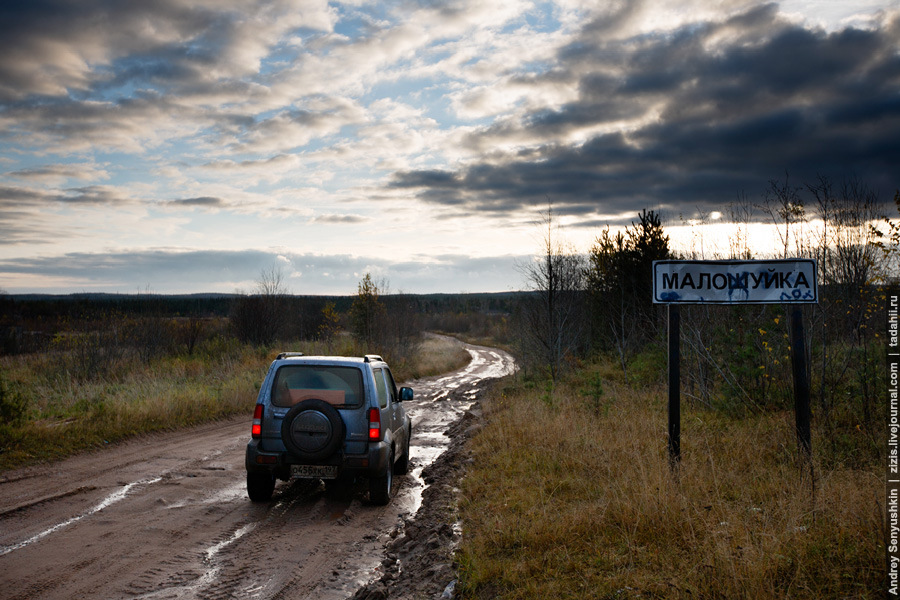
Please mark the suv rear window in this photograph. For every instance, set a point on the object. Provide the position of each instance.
(341, 387)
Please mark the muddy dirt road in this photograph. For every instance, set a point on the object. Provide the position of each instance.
(167, 516)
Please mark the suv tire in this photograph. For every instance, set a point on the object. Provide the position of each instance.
(401, 467)
(312, 429)
(380, 487)
(260, 486)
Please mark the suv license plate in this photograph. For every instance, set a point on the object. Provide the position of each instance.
(314, 471)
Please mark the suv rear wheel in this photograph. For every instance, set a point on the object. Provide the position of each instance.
(260, 486)
(380, 487)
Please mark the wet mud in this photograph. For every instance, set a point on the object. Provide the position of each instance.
(167, 516)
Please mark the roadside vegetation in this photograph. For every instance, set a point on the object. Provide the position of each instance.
(56, 414)
(570, 495)
(734, 359)
(108, 371)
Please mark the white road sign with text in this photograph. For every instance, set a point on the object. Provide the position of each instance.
(735, 281)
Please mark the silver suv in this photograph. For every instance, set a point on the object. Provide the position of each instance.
(331, 418)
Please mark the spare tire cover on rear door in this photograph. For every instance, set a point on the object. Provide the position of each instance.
(312, 430)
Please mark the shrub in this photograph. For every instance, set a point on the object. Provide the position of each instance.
(13, 405)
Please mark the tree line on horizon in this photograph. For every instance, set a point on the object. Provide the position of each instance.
(103, 329)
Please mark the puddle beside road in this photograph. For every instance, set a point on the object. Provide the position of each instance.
(438, 403)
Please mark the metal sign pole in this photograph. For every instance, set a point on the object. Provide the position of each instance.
(801, 382)
(674, 385)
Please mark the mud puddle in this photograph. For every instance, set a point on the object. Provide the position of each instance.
(440, 402)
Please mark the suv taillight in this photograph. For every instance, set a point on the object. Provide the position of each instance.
(374, 424)
(256, 429)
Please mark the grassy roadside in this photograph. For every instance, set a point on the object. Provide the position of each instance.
(52, 415)
(570, 496)
(435, 355)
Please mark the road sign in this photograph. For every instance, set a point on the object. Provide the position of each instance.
(791, 281)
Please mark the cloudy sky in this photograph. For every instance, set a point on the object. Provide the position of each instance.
(188, 145)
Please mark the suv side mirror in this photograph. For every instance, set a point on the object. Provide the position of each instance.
(406, 394)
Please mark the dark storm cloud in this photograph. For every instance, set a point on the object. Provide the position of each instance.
(339, 219)
(18, 227)
(171, 271)
(96, 195)
(716, 108)
(47, 46)
(202, 202)
(157, 268)
(127, 75)
(13, 198)
(60, 172)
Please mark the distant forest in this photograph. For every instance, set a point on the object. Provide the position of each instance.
(31, 322)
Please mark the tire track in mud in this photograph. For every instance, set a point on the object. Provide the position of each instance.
(166, 515)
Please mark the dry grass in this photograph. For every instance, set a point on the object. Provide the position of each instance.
(434, 356)
(63, 416)
(568, 498)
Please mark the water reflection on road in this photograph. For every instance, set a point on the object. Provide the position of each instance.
(440, 401)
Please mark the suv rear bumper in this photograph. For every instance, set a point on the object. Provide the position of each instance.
(372, 463)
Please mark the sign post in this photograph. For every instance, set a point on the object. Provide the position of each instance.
(801, 382)
(674, 385)
(792, 281)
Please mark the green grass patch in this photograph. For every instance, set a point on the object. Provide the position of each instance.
(574, 498)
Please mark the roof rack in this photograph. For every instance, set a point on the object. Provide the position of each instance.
(371, 357)
(288, 355)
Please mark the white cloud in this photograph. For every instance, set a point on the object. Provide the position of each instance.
(351, 128)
